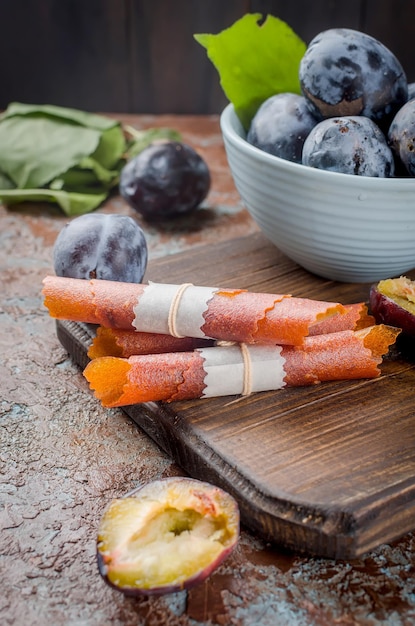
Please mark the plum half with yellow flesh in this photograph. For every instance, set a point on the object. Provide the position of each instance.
(166, 536)
(392, 302)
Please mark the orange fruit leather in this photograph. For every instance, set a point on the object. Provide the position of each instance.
(338, 356)
(69, 299)
(356, 316)
(379, 338)
(146, 378)
(126, 343)
(105, 302)
(291, 319)
(107, 377)
(251, 317)
(106, 343)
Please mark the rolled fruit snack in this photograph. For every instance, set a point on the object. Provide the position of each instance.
(239, 368)
(125, 343)
(200, 312)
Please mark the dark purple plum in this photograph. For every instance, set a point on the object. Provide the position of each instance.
(281, 125)
(347, 72)
(350, 145)
(401, 136)
(165, 180)
(411, 91)
(103, 246)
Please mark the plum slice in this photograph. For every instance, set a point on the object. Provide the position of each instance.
(392, 301)
(166, 536)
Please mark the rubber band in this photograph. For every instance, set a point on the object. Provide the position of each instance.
(174, 307)
(247, 382)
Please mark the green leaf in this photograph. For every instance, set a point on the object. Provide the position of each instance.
(140, 139)
(255, 59)
(101, 174)
(72, 203)
(5, 182)
(65, 156)
(111, 148)
(87, 177)
(82, 118)
(34, 150)
(40, 142)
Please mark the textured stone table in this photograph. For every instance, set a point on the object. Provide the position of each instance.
(63, 458)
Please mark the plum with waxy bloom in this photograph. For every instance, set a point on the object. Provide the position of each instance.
(102, 246)
(347, 72)
(401, 136)
(281, 125)
(166, 180)
(349, 145)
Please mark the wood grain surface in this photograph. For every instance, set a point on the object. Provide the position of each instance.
(327, 470)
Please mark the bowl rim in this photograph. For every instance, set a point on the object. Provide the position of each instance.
(228, 123)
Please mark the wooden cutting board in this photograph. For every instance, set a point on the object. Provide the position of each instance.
(327, 470)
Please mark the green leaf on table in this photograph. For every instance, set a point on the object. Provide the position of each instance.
(71, 203)
(56, 154)
(111, 147)
(140, 139)
(35, 150)
(111, 144)
(65, 156)
(88, 174)
(255, 58)
(81, 118)
(5, 182)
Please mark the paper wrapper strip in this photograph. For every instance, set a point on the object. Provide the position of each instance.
(201, 312)
(229, 370)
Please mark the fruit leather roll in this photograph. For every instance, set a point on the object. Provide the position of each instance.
(239, 368)
(192, 311)
(356, 316)
(125, 343)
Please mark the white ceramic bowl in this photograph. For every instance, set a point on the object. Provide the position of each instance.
(339, 226)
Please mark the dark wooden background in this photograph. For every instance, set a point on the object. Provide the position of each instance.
(139, 56)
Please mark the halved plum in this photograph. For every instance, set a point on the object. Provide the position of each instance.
(166, 536)
(392, 302)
